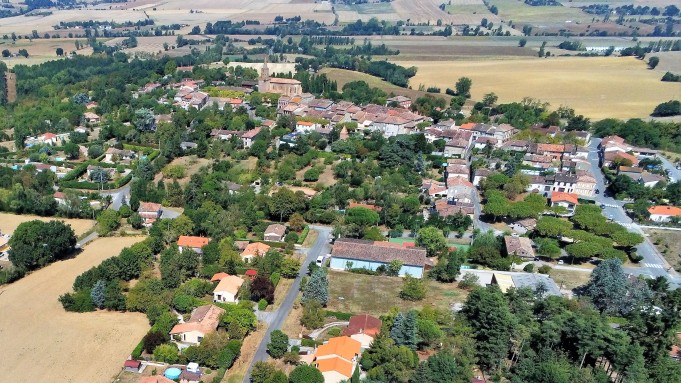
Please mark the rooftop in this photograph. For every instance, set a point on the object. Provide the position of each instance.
(665, 210)
(230, 284)
(194, 242)
(363, 324)
(377, 252)
(567, 197)
(342, 346)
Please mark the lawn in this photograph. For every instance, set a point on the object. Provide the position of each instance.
(376, 295)
(568, 279)
(668, 243)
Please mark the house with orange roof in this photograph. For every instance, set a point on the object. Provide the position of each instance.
(194, 243)
(252, 250)
(664, 213)
(227, 289)
(337, 359)
(204, 320)
(218, 276)
(567, 200)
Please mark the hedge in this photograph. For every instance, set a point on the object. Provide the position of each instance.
(137, 352)
(338, 315)
(303, 235)
(95, 186)
(75, 172)
(274, 278)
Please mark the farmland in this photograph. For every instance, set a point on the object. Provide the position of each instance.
(9, 222)
(40, 50)
(592, 86)
(42, 342)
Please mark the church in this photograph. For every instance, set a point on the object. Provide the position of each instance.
(284, 86)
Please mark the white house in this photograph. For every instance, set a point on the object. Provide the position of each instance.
(227, 289)
(664, 213)
(306, 126)
(204, 320)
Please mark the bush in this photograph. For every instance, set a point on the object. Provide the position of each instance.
(278, 344)
(529, 268)
(313, 315)
(303, 235)
(80, 301)
(152, 340)
(469, 281)
(413, 289)
(174, 171)
(544, 269)
(137, 352)
(338, 315)
(335, 331)
(166, 353)
(274, 278)
(262, 304)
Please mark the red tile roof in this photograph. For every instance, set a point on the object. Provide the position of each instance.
(568, 197)
(363, 324)
(665, 210)
(251, 272)
(193, 242)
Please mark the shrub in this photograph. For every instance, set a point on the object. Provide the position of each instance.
(335, 331)
(338, 315)
(137, 352)
(262, 304)
(278, 344)
(313, 315)
(174, 171)
(303, 235)
(529, 268)
(413, 289)
(153, 339)
(80, 301)
(166, 353)
(544, 269)
(274, 278)
(469, 281)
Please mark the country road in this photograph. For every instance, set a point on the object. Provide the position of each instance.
(320, 247)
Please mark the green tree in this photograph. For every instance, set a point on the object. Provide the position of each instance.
(432, 239)
(394, 268)
(35, 243)
(108, 221)
(166, 353)
(608, 288)
(448, 267)
(522, 42)
(653, 61)
(305, 374)
(278, 344)
(144, 120)
(439, 368)
(397, 329)
(97, 293)
(413, 289)
(313, 315)
(361, 216)
(463, 87)
(72, 151)
(262, 371)
(552, 227)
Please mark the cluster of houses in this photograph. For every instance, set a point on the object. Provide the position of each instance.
(615, 153)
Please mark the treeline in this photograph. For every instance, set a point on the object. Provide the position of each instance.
(671, 77)
(649, 134)
(392, 73)
(98, 24)
(297, 26)
(571, 46)
(331, 40)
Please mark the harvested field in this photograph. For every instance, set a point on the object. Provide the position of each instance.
(567, 279)
(424, 11)
(343, 76)
(39, 50)
(376, 295)
(43, 343)
(593, 86)
(668, 243)
(9, 222)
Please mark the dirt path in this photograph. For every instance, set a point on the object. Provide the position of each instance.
(43, 343)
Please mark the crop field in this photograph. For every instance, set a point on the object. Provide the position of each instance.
(39, 50)
(43, 343)
(600, 87)
(428, 11)
(9, 222)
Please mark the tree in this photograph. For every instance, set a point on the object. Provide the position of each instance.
(166, 353)
(135, 220)
(95, 151)
(410, 330)
(305, 374)
(432, 239)
(653, 61)
(552, 227)
(413, 289)
(108, 221)
(313, 315)
(285, 202)
(35, 243)
(262, 371)
(448, 267)
(72, 151)
(60, 52)
(97, 293)
(609, 288)
(144, 120)
(317, 288)
(488, 313)
(490, 99)
(262, 288)
(296, 222)
(361, 216)
(153, 339)
(394, 268)
(669, 108)
(463, 87)
(439, 368)
(522, 42)
(278, 344)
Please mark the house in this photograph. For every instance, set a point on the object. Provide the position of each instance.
(218, 276)
(508, 279)
(60, 198)
(204, 320)
(249, 136)
(363, 328)
(48, 138)
(664, 213)
(519, 246)
(252, 250)
(275, 232)
(480, 175)
(649, 180)
(132, 365)
(337, 359)
(113, 155)
(630, 171)
(306, 126)
(357, 253)
(566, 200)
(92, 118)
(186, 145)
(585, 186)
(227, 289)
(403, 102)
(612, 158)
(194, 243)
(524, 225)
(150, 212)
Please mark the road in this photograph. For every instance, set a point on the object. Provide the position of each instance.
(653, 264)
(91, 237)
(117, 196)
(674, 173)
(320, 247)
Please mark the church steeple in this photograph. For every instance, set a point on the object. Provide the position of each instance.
(265, 72)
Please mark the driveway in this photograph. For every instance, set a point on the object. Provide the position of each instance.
(277, 317)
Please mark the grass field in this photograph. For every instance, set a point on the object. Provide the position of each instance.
(668, 243)
(43, 343)
(39, 50)
(9, 222)
(569, 279)
(600, 87)
(376, 295)
(343, 76)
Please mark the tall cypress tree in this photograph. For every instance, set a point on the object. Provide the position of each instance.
(397, 331)
(410, 331)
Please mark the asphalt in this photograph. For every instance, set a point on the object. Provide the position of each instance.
(320, 247)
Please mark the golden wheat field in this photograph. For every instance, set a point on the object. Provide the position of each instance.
(598, 87)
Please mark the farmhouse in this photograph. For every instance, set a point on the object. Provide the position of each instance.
(337, 359)
(149, 212)
(519, 246)
(204, 320)
(194, 243)
(227, 289)
(363, 328)
(357, 253)
(252, 250)
(275, 232)
(664, 213)
(567, 200)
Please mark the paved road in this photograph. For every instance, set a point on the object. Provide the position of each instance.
(653, 264)
(320, 247)
(674, 173)
(94, 235)
(117, 196)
